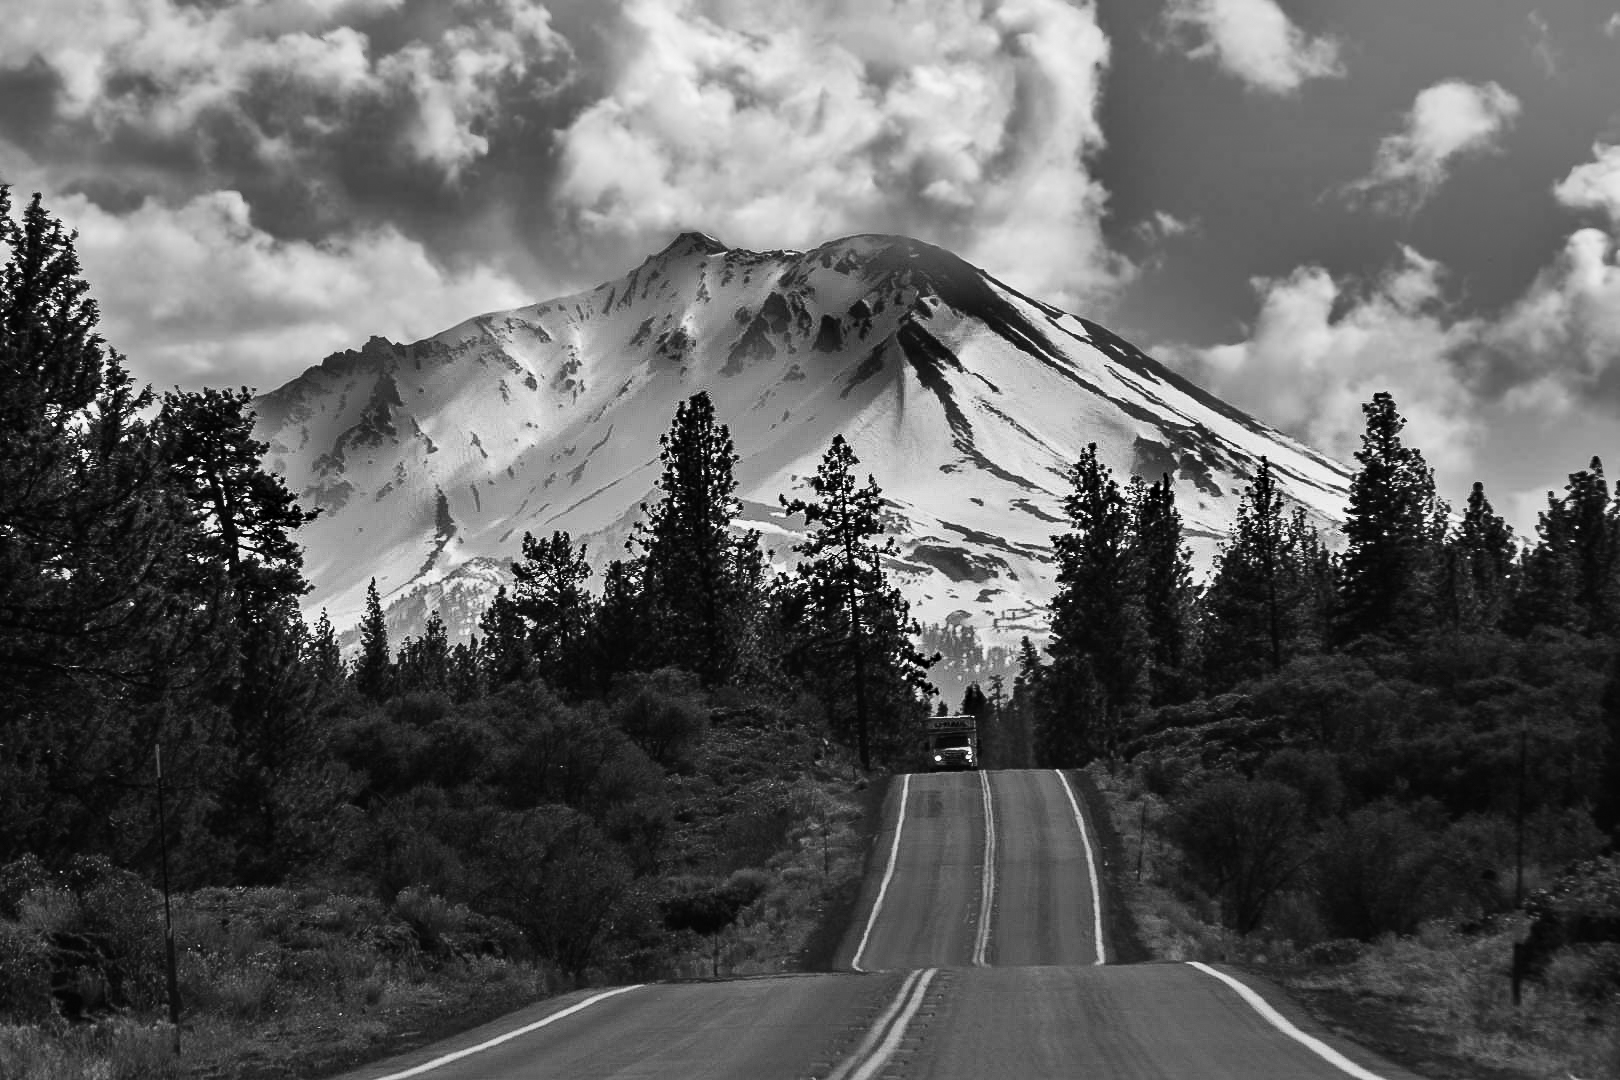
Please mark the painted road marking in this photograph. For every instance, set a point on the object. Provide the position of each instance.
(888, 875)
(440, 1062)
(1281, 1023)
(1091, 869)
(987, 880)
(872, 1055)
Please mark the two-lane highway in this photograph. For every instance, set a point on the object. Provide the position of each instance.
(976, 951)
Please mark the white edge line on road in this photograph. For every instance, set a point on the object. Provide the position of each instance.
(1091, 869)
(877, 1029)
(898, 1031)
(1281, 1023)
(439, 1062)
(987, 879)
(888, 875)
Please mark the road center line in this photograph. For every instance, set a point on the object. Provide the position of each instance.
(439, 1062)
(888, 875)
(1282, 1024)
(1091, 869)
(987, 880)
(865, 1070)
(875, 1032)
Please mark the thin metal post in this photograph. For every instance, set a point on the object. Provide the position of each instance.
(168, 917)
(1141, 846)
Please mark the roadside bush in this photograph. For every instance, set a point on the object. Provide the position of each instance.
(663, 712)
(1375, 872)
(1241, 841)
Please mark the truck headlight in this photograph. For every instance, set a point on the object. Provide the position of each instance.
(939, 757)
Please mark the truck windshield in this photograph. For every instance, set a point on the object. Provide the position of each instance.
(949, 742)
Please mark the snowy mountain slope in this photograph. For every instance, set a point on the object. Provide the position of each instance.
(965, 398)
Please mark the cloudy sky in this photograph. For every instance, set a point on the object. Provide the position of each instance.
(1296, 202)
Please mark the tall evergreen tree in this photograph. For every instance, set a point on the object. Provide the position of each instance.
(1593, 544)
(1099, 641)
(245, 513)
(104, 622)
(699, 581)
(1474, 568)
(1263, 606)
(1168, 596)
(616, 639)
(1393, 527)
(423, 665)
(1548, 592)
(550, 596)
(858, 625)
(374, 670)
(503, 652)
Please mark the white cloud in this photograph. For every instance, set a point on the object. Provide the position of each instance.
(157, 66)
(1448, 120)
(1163, 226)
(229, 297)
(1564, 333)
(1253, 40)
(1612, 27)
(786, 124)
(1542, 46)
(1318, 350)
(1594, 185)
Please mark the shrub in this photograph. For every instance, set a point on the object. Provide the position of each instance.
(1374, 872)
(663, 712)
(1241, 841)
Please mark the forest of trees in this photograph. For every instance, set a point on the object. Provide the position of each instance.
(1384, 728)
(150, 581)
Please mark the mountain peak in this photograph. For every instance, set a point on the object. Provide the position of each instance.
(968, 399)
(690, 243)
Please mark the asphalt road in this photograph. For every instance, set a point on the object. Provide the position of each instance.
(974, 954)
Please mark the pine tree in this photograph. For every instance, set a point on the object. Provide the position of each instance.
(1486, 544)
(1099, 642)
(323, 655)
(1168, 595)
(1263, 606)
(550, 597)
(858, 625)
(245, 513)
(616, 637)
(105, 624)
(423, 665)
(374, 670)
(1549, 577)
(699, 581)
(1593, 544)
(1393, 526)
(503, 652)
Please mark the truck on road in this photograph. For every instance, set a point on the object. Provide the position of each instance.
(953, 742)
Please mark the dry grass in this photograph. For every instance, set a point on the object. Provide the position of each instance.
(1456, 988)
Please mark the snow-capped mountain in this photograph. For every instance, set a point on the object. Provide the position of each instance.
(966, 399)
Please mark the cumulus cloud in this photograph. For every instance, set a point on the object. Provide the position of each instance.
(288, 71)
(1254, 40)
(1562, 337)
(1320, 347)
(1594, 185)
(230, 298)
(787, 124)
(1612, 27)
(1448, 120)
